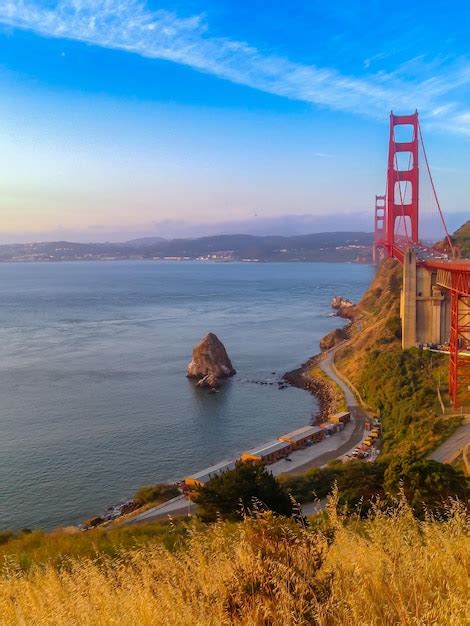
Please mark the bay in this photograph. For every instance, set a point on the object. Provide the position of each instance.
(94, 401)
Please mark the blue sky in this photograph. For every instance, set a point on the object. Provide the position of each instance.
(121, 118)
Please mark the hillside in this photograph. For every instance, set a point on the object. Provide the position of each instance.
(400, 385)
(462, 238)
(335, 246)
(389, 569)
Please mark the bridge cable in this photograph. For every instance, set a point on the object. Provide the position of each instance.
(449, 241)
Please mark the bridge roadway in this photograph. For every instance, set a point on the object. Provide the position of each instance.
(453, 447)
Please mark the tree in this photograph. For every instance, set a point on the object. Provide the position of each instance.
(425, 484)
(247, 487)
(360, 482)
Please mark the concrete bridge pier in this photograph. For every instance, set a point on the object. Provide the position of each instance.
(424, 306)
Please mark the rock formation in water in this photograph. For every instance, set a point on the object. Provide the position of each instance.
(210, 362)
(344, 307)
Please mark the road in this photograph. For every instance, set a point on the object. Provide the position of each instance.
(358, 415)
(453, 447)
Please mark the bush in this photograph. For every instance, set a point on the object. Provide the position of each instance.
(246, 488)
(355, 480)
(393, 325)
(425, 484)
(157, 493)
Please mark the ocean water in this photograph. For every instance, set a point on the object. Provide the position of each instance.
(94, 401)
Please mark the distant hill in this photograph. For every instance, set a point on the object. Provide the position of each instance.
(462, 238)
(330, 246)
(145, 241)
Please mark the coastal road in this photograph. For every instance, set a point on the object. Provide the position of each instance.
(453, 447)
(358, 416)
(176, 507)
(327, 365)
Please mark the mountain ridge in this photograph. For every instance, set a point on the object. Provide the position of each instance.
(327, 246)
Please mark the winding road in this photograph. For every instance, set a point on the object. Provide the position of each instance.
(358, 415)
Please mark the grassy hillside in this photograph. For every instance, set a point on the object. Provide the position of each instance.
(400, 385)
(388, 569)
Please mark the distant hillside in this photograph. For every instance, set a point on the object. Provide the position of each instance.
(462, 238)
(342, 246)
(146, 241)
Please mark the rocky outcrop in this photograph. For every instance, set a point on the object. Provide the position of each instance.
(344, 307)
(210, 362)
(210, 380)
(334, 338)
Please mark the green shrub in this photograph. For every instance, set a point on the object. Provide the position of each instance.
(235, 492)
(160, 492)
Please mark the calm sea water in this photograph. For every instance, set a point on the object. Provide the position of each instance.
(94, 401)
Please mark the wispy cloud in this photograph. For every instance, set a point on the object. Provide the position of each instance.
(129, 25)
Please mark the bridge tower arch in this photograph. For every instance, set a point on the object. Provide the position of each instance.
(403, 182)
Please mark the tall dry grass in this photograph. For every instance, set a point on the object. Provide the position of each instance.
(390, 569)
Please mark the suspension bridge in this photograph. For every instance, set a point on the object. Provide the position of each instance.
(435, 300)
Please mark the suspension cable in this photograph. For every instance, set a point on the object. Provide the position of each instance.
(449, 240)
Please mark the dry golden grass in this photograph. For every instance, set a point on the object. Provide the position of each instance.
(390, 569)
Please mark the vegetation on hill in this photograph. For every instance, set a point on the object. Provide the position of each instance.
(385, 570)
(400, 385)
(29, 549)
(461, 237)
(427, 485)
(160, 492)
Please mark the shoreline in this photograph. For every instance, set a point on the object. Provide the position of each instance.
(322, 390)
(316, 387)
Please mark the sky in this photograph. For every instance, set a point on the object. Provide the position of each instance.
(126, 118)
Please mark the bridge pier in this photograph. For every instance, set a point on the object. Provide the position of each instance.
(424, 307)
(408, 300)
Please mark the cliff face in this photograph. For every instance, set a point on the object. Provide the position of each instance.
(210, 361)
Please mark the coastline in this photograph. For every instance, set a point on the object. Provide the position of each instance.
(318, 388)
(312, 379)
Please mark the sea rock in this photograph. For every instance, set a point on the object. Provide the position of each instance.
(210, 380)
(344, 307)
(210, 362)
